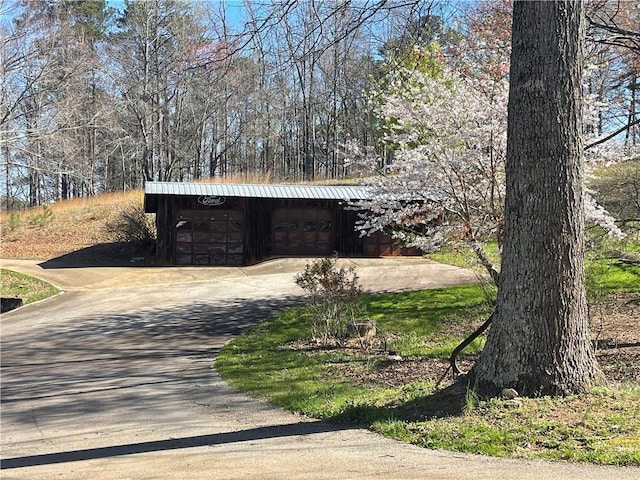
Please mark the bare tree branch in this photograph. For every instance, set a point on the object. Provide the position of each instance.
(612, 134)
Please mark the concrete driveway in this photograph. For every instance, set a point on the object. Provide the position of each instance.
(114, 380)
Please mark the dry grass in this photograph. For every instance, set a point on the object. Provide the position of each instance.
(70, 226)
(249, 177)
(267, 179)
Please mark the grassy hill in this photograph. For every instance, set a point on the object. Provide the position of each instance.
(76, 226)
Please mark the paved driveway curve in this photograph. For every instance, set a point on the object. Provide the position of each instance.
(113, 380)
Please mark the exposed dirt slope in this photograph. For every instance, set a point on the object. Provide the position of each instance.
(74, 228)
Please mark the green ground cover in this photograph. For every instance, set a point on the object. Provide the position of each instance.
(30, 289)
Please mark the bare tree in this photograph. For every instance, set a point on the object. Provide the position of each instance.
(22, 68)
(539, 342)
(51, 98)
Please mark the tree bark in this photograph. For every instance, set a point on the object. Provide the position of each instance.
(539, 342)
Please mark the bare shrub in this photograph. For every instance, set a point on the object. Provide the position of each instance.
(333, 294)
(132, 225)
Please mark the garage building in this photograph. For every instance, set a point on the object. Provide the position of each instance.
(241, 224)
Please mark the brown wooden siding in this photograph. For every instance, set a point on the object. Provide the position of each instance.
(249, 230)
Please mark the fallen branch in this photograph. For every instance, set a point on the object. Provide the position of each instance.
(465, 343)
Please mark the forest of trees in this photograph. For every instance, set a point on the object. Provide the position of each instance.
(96, 99)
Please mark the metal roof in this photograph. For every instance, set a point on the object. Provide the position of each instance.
(314, 192)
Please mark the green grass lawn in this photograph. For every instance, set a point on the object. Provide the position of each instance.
(606, 276)
(604, 273)
(259, 362)
(30, 289)
(466, 258)
(601, 427)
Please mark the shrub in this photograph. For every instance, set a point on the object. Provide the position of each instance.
(132, 225)
(13, 221)
(334, 298)
(41, 219)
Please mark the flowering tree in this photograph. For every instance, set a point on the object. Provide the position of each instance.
(445, 183)
(445, 126)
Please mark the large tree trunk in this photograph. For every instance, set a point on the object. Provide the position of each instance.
(539, 342)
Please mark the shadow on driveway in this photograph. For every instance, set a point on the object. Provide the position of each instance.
(260, 433)
(104, 368)
(117, 254)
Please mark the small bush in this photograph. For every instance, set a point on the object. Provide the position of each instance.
(334, 297)
(13, 222)
(132, 225)
(41, 219)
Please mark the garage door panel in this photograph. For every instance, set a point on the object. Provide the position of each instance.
(302, 231)
(209, 237)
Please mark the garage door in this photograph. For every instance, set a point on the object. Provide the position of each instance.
(302, 231)
(209, 237)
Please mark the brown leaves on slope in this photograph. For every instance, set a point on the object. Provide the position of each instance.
(44, 233)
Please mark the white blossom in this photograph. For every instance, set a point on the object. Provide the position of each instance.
(446, 181)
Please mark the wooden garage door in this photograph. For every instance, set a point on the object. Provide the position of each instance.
(212, 237)
(379, 245)
(302, 231)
